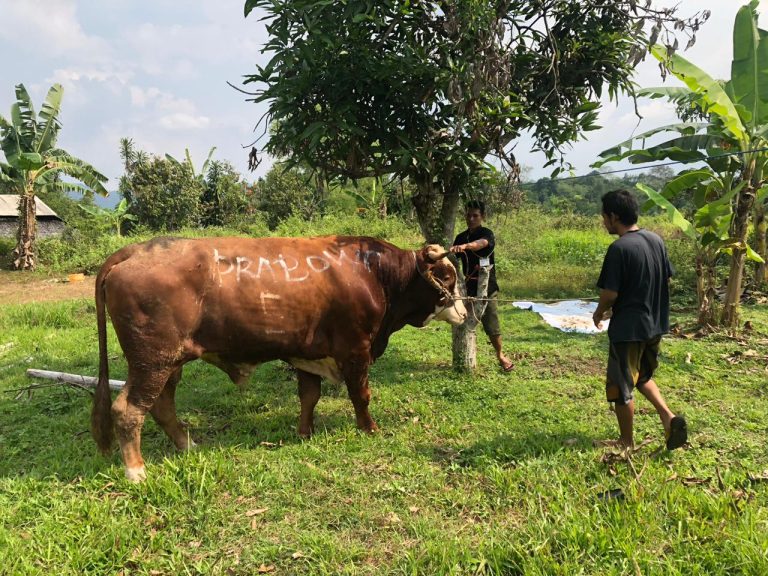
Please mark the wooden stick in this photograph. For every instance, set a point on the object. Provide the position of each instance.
(72, 378)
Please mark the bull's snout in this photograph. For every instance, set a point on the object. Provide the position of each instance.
(455, 314)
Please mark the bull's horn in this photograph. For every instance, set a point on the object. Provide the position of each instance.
(436, 252)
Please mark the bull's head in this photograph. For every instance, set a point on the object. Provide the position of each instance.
(441, 275)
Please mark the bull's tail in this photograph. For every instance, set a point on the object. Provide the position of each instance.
(101, 415)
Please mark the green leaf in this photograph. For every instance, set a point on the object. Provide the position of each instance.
(674, 214)
(685, 181)
(49, 114)
(749, 67)
(673, 93)
(752, 255)
(26, 110)
(761, 194)
(711, 95)
(204, 169)
(30, 161)
(683, 128)
(77, 169)
(249, 6)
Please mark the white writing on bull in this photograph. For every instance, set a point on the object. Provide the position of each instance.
(290, 266)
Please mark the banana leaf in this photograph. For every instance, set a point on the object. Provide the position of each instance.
(749, 67)
(674, 214)
(712, 95)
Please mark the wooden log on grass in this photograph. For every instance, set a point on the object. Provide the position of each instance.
(88, 381)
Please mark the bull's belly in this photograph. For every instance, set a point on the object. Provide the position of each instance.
(326, 368)
(240, 372)
(242, 342)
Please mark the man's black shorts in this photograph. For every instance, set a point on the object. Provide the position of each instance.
(630, 364)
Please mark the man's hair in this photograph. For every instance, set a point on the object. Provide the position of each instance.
(621, 203)
(475, 205)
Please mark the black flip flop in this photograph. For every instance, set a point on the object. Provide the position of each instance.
(508, 368)
(678, 433)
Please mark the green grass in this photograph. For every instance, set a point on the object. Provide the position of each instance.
(544, 255)
(485, 474)
(490, 474)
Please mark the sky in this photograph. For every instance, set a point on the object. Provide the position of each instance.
(157, 71)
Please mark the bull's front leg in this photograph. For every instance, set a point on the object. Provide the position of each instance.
(309, 394)
(356, 379)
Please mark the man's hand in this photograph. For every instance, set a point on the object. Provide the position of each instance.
(604, 307)
(597, 318)
(458, 248)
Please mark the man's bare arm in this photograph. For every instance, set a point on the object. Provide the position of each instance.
(473, 246)
(607, 299)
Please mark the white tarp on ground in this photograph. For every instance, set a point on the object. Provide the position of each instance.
(566, 315)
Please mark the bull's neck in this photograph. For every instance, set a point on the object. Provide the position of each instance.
(395, 277)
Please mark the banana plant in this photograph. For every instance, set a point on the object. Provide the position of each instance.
(114, 219)
(708, 228)
(33, 162)
(188, 163)
(731, 139)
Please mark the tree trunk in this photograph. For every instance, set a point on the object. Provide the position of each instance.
(464, 347)
(24, 254)
(465, 336)
(436, 208)
(706, 290)
(730, 315)
(761, 226)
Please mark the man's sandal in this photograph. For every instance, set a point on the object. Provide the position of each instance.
(678, 433)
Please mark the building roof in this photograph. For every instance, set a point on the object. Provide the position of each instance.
(9, 206)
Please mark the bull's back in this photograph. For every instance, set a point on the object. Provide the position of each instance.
(276, 295)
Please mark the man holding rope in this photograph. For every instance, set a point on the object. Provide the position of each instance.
(475, 247)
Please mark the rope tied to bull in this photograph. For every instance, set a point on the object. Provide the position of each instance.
(480, 302)
(484, 273)
(434, 282)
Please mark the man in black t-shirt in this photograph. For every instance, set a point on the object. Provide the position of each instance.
(475, 247)
(634, 284)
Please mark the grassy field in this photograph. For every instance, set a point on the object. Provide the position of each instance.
(485, 474)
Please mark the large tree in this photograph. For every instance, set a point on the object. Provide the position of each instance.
(430, 90)
(33, 163)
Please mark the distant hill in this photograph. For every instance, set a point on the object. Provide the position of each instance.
(109, 202)
(582, 195)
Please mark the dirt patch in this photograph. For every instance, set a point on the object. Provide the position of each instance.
(20, 288)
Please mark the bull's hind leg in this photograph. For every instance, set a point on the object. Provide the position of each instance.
(309, 394)
(128, 411)
(164, 413)
(356, 379)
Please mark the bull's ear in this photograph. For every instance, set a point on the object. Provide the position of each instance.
(435, 252)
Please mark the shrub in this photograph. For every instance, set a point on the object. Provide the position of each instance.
(164, 195)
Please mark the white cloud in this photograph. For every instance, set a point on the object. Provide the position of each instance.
(182, 121)
(50, 27)
(159, 99)
(186, 51)
(652, 113)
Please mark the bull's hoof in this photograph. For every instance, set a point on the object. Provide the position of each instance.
(188, 445)
(136, 475)
(371, 428)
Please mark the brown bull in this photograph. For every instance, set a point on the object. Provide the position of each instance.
(325, 305)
